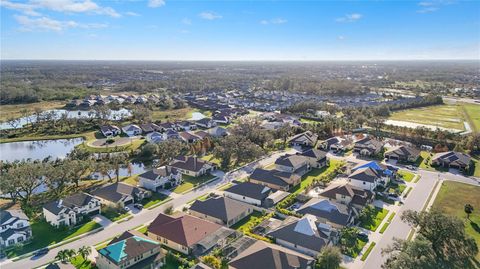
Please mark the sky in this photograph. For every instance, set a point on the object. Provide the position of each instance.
(239, 30)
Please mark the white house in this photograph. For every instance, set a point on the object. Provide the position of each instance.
(14, 228)
(70, 210)
(161, 177)
(365, 178)
(132, 130)
(110, 130)
(192, 166)
(156, 137)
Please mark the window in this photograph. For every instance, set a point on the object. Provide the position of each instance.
(20, 239)
(20, 225)
(11, 242)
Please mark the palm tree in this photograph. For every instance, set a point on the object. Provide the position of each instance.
(65, 255)
(84, 252)
(469, 210)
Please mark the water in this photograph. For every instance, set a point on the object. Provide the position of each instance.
(137, 168)
(72, 114)
(38, 150)
(197, 116)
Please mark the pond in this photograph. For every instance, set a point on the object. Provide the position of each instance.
(135, 168)
(38, 150)
(197, 116)
(71, 114)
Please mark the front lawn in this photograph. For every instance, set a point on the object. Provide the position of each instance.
(353, 252)
(81, 263)
(154, 199)
(451, 199)
(44, 235)
(190, 182)
(396, 188)
(114, 214)
(373, 221)
(406, 175)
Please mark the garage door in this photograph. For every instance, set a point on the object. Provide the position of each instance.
(96, 212)
(128, 202)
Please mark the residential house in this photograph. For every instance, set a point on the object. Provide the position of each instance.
(150, 127)
(366, 178)
(186, 125)
(132, 130)
(110, 130)
(452, 159)
(14, 228)
(304, 235)
(403, 153)
(221, 119)
(163, 177)
(275, 179)
(330, 212)
(315, 158)
(292, 163)
(221, 210)
(132, 249)
(166, 126)
(368, 146)
(262, 255)
(60, 265)
(188, 234)
(206, 123)
(217, 131)
(120, 194)
(70, 210)
(192, 166)
(202, 134)
(189, 137)
(248, 192)
(171, 134)
(304, 139)
(156, 137)
(343, 192)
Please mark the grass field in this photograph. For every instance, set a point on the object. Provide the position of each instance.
(190, 182)
(446, 116)
(451, 200)
(472, 113)
(373, 223)
(13, 111)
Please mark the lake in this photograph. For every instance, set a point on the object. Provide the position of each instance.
(71, 114)
(38, 150)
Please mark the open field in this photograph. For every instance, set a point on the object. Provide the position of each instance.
(13, 111)
(444, 116)
(451, 200)
(472, 113)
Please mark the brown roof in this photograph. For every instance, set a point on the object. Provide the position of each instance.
(185, 230)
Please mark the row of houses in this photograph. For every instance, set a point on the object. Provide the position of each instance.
(95, 100)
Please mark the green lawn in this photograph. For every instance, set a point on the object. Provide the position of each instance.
(81, 263)
(114, 214)
(396, 188)
(212, 159)
(367, 252)
(424, 162)
(45, 235)
(308, 178)
(385, 225)
(190, 182)
(373, 223)
(451, 200)
(353, 252)
(472, 113)
(476, 164)
(246, 222)
(406, 175)
(446, 116)
(154, 199)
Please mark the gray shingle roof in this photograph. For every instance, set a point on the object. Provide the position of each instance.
(323, 208)
(116, 191)
(222, 208)
(270, 176)
(251, 190)
(366, 174)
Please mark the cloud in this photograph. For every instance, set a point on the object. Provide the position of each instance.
(273, 21)
(350, 17)
(341, 37)
(186, 21)
(32, 7)
(48, 24)
(156, 3)
(432, 6)
(133, 14)
(208, 15)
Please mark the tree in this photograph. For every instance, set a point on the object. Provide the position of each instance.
(65, 255)
(414, 254)
(348, 238)
(212, 261)
(329, 257)
(84, 252)
(367, 214)
(469, 210)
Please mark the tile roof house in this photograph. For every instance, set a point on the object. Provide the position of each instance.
(343, 192)
(304, 139)
(452, 159)
(187, 234)
(292, 163)
(304, 235)
(132, 130)
(330, 212)
(160, 178)
(368, 146)
(70, 210)
(14, 228)
(262, 255)
(120, 194)
(131, 250)
(248, 192)
(110, 130)
(403, 153)
(221, 210)
(315, 158)
(275, 179)
(192, 166)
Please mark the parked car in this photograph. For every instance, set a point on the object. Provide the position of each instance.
(127, 208)
(411, 167)
(41, 252)
(393, 195)
(363, 236)
(138, 206)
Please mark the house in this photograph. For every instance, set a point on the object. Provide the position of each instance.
(171, 134)
(403, 153)
(385, 171)
(368, 146)
(217, 131)
(132, 130)
(70, 210)
(192, 166)
(292, 163)
(343, 192)
(304, 235)
(202, 134)
(166, 126)
(304, 139)
(221, 119)
(336, 144)
(150, 127)
(366, 178)
(221, 210)
(315, 158)
(120, 194)
(156, 137)
(330, 212)
(248, 192)
(188, 234)
(164, 177)
(452, 159)
(14, 228)
(110, 130)
(132, 249)
(262, 255)
(189, 137)
(206, 123)
(275, 179)
(186, 125)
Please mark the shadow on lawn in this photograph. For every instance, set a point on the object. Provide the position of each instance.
(475, 227)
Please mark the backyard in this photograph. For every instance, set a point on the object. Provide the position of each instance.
(315, 173)
(190, 182)
(451, 200)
